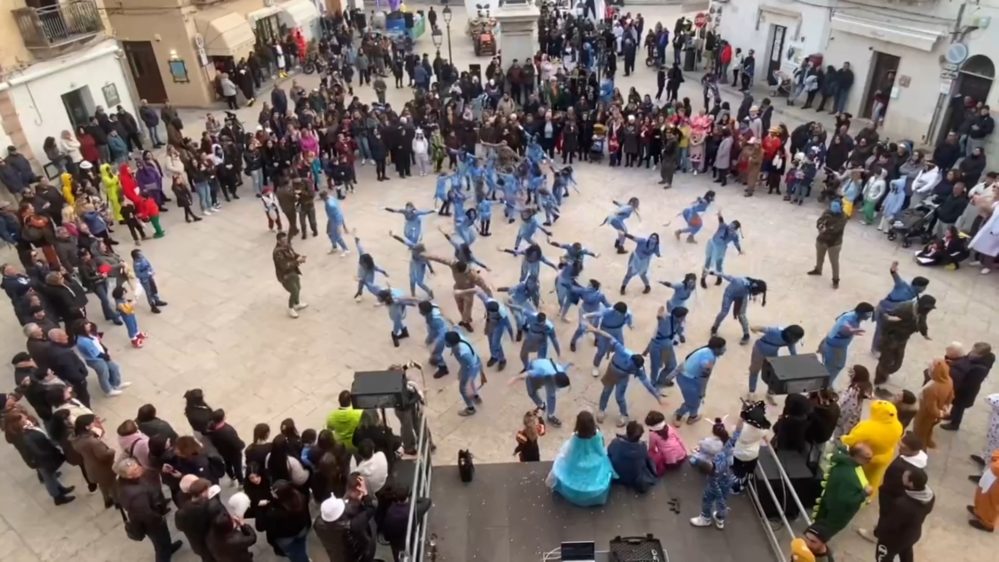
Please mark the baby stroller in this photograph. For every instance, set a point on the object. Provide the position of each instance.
(597, 142)
(914, 222)
(780, 84)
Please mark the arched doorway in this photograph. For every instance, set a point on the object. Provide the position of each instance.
(974, 80)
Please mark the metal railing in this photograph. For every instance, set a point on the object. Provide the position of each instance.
(58, 25)
(416, 528)
(781, 550)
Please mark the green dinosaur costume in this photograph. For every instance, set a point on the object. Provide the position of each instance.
(843, 494)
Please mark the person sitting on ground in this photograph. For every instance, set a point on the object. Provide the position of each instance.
(582, 472)
(948, 251)
(629, 457)
(666, 448)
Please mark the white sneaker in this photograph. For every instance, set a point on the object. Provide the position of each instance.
(206, 213)
(124, 384)
(622, 421)
(301, 305)
(700, 521)
(749, 397)
(217, 208)
(595, 372)
(332, 250)
(114, 392)
(601, 415)
(344, 253)
(974, 263)
(293, 313)
(719, 523)
(986, 270)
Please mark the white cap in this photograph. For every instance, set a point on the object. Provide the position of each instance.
(331, 509)
(238, 504)
(186, 481)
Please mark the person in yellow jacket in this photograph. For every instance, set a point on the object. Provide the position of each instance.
(113, 188)
(67, 188)
(882, 432)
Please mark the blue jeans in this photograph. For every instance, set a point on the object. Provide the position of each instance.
(714, 502)
(466, 378)
(496, 344)
(295, 548)
(204, 196)
(834, 359)
(549, 403)
(364, 147)
(154, 135)
(152, 291)
(714, 257)
(620, 389)
(101, 290)
(108, 374)
(841, 96)
(726, 306)
(258, 181)
(690, 389)
(663, 357)
(52, 484)
(131, 325)
(641, 274)
(685, 159)
(335, 233)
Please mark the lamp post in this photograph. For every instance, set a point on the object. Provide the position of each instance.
(446, 13)
(437, 38)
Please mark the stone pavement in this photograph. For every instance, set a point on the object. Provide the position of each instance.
(226, 331)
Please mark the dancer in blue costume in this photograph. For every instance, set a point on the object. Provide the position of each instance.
(611, 321)
(396, 303)
(538, 331)
(498, 322)
(682, 291)
(418, 265)
(834, 347)
(738, 293)
(574, 254)
(366, 270)
(547, 374)
(623, 365)
(714, 258)
(464, 225)
(531, 264)
(692, 216)
(529, 226)
(336, 225)
(413, 229)
(469, 369)
(617, 221)
(437, 326)
(440, 193)
(511, 196)
(592, 302)
(523, 297)
(661, 349)
(582, 472)
(485, 212)
(462, 251)
(560, 185)
(641, 257)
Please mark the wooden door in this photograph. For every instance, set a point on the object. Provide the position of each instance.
(145, 71)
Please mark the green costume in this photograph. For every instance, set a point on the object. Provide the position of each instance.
(113, 188)
(843, 494)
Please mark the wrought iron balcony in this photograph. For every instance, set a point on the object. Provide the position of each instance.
(60, 25)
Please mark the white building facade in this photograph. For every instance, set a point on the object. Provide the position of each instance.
(917, 54)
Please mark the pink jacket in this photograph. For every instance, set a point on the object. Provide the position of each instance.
(666, 452)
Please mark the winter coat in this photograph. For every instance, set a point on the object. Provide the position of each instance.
(723, 159)
(632, 464)
(666, 452)
(98, 460)
(969, 373)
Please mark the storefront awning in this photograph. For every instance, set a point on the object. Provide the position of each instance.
(298, 13)
(262, 13)
(922, 39)
(226, 34)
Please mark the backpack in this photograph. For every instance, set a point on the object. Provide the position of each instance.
(466, 468)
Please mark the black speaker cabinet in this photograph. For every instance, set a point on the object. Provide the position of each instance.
(373, 390)
(804, 481)
(794, 374)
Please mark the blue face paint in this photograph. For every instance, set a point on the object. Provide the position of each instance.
(720, 352)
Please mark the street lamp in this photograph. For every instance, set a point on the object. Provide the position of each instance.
(437, 37)
(446, 12)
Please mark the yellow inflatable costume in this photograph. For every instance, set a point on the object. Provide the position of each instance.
(67, 188)
(882, 432)
(113, 187)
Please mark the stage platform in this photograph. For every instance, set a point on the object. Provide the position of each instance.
(508, 514)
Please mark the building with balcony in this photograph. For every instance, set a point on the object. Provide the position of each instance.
(917, 56)
(175, 48)
(58, 62)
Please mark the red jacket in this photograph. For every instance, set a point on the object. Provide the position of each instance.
(88, 148)
(726, 54)
(771, 144)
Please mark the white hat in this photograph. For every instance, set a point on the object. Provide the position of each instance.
(86, 165)
(238, 504)
(331, 509)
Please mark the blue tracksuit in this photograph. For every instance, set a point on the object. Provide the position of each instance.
(366, 277)
(573, 257)
(641, 257)
(612, 322)
(464, 228)
(531, 268)
(902, 291)
(397, 311)
(590, 300)
(714, 258)
(537, 334)
(623, 369)
(528, 228)
(692, 214)
(661, 350)
(768, 345)
(834, 347)
(693, 380)
(413, 228)
(541, 374)
(440, 191)
(334, 224)
(418, 266)
(737, 289)
(564, 282)
(437, 326)
(469, 368)
(617, 220)
(497, 323)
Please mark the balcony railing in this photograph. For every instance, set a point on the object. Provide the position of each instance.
(59, 25)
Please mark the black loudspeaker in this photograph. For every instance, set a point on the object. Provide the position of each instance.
(374, 390)
(408, 16)
(794, 374)
(806, 484)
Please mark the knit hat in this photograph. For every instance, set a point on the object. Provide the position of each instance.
(238, 504)
(331, 509)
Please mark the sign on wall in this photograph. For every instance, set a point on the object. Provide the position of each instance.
(111, 97)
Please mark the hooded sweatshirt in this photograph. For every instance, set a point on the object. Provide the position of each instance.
(631, 462)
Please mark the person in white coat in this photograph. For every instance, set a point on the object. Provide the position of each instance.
(981, 198)
(986, 242)
(926, 180)
(873, 191)
(421, 151)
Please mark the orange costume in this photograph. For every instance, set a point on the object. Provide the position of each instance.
(986, 508)
(935, 399)
(882, 432)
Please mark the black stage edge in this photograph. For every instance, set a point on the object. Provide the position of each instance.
(508, 514)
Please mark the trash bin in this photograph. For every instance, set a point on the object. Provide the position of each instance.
(688, 59)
